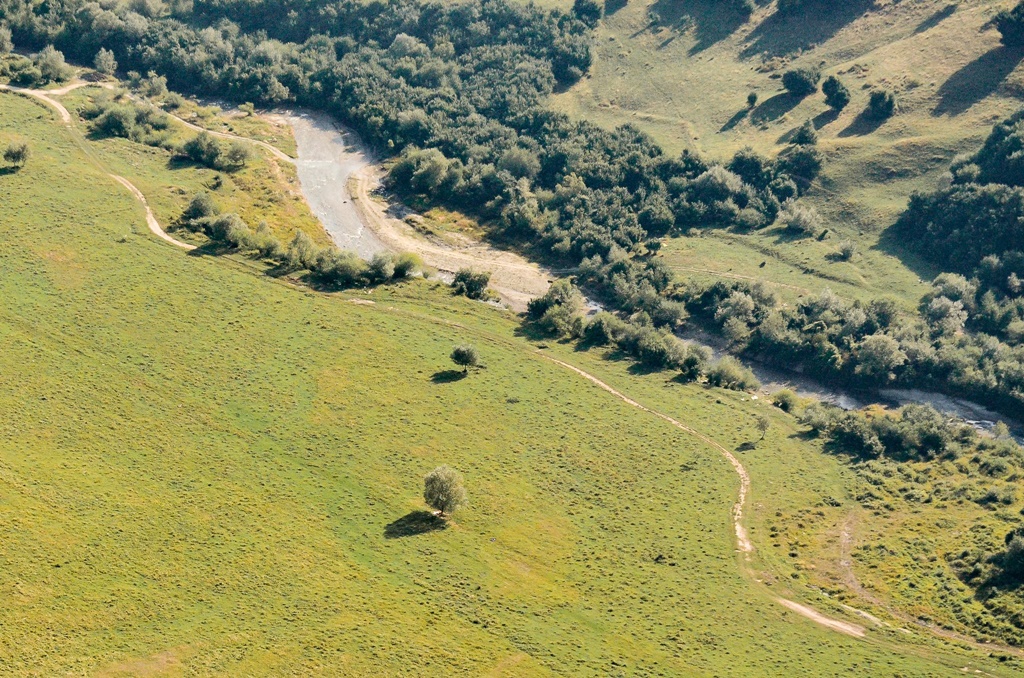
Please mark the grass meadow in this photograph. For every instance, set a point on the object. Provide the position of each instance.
(205, 470)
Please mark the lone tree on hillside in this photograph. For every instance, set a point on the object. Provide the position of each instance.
(763, 424)
(471, 284)
(465, 356)
(17, 154)
(881, 105)
(443, 490)
(836, 94)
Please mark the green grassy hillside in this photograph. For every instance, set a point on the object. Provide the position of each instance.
(206, 470)
(682, 71)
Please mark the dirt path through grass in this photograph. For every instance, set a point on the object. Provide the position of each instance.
(65, 116)
(742, 540)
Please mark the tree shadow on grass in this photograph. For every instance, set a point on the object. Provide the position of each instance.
(936, 18)
(4, 171)
(862, 125)
(448, 376)
(774, 108)
(414, 523)
(976, 80)
(782, 34)
(735, 120)
(822, 119)
(711, 20)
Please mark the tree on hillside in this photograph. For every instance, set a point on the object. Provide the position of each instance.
(105, 62)
(806, 135)
(801, 81)
(588, 11)
(443, 490)
(1010, 25)
(881, 105)
(465, 356)
(763, 424)
(836, 94)
(470, 283)
(17, 153)
(6, 43)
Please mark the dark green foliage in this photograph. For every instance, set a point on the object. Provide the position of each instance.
(1010, 25)
(836, 94)
(917, 432)
(588, 11)
(730, 373)
(558, 312)
(785, 400)
(806, 135)
(6, 43)
(801, 81)
(881, 105)
(471, 283)
(51, 65)
(16, 153)
(752, 100)
(465, 356)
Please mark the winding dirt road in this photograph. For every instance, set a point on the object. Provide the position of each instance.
(65, 116)
(743, 542)
(513, 276)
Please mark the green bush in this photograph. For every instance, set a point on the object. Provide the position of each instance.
(1010, 25)
(801, 81)
(471, 284)
(881, 104)
(730, 373)
(836, 94)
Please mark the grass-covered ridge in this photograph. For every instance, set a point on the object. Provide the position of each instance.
(202, 468)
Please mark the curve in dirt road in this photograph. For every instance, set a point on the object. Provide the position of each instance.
(743, 541)
(65, 116)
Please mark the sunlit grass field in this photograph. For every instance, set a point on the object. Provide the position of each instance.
(207, 470)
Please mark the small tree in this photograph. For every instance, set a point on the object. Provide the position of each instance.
(6, 43)
(17, 154)
(836, 94)
(51, 65)
(752, 100)
(465, 356)
(881, 105)
(763, 424)
(806, 135)
(443, 490)
(105, 62)
(1010, 25)
(801, 81)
